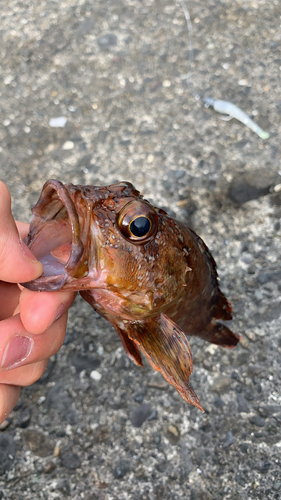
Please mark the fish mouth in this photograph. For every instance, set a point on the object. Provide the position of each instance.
(54, 239)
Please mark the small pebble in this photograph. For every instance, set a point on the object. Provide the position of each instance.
(64, 487)
(255, 370)
(277, 188)
(230, 439)
(140, 414)
(50, 467)
(243, 83)
(244, 343)
(243, 406)
(4, 424)
(100, 350)
(157, 381)
(173, 433)
(60, 121)
(57, 450)
(68, 145)
(95, 375)
(218, 403)
(139, 397)
(107, 40)
(166, 83)
(71, 460)
(153, 415)
(257, 421)
(24, 418)
(121, 469)
(220, 384)
(265, 467)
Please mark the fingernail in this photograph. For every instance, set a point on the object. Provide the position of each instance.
(27, 251)
(59, 312)
(16, 351)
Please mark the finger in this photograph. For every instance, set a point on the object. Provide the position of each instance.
(9, 298)
(17, 263)
(19, 347)
(9, 394)
(22, 228)
(38, 310)
(24, 375)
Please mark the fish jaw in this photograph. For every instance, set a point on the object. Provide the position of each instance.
(55, 239)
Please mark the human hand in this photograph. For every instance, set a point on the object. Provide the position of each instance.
(32, 324)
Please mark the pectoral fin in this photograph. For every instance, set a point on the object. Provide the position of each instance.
(168, 351)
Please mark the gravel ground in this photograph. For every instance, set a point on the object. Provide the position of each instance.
(116, 72)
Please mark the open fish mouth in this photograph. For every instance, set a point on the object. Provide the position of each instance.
(54, 239)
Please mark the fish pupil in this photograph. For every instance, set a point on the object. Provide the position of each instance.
(140, 226)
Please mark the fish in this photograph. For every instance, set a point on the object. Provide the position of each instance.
(149, 275)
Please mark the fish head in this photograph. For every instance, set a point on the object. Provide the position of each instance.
(111, 241)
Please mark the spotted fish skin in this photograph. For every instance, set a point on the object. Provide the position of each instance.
(150, 276)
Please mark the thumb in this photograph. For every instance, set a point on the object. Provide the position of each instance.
(17, 263)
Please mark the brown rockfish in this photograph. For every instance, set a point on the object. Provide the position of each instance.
(150, 276)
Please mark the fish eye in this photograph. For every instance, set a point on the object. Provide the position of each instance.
(138, 221)
(140, 226)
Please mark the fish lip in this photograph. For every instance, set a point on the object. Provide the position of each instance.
(53, 194)
(46, 283)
